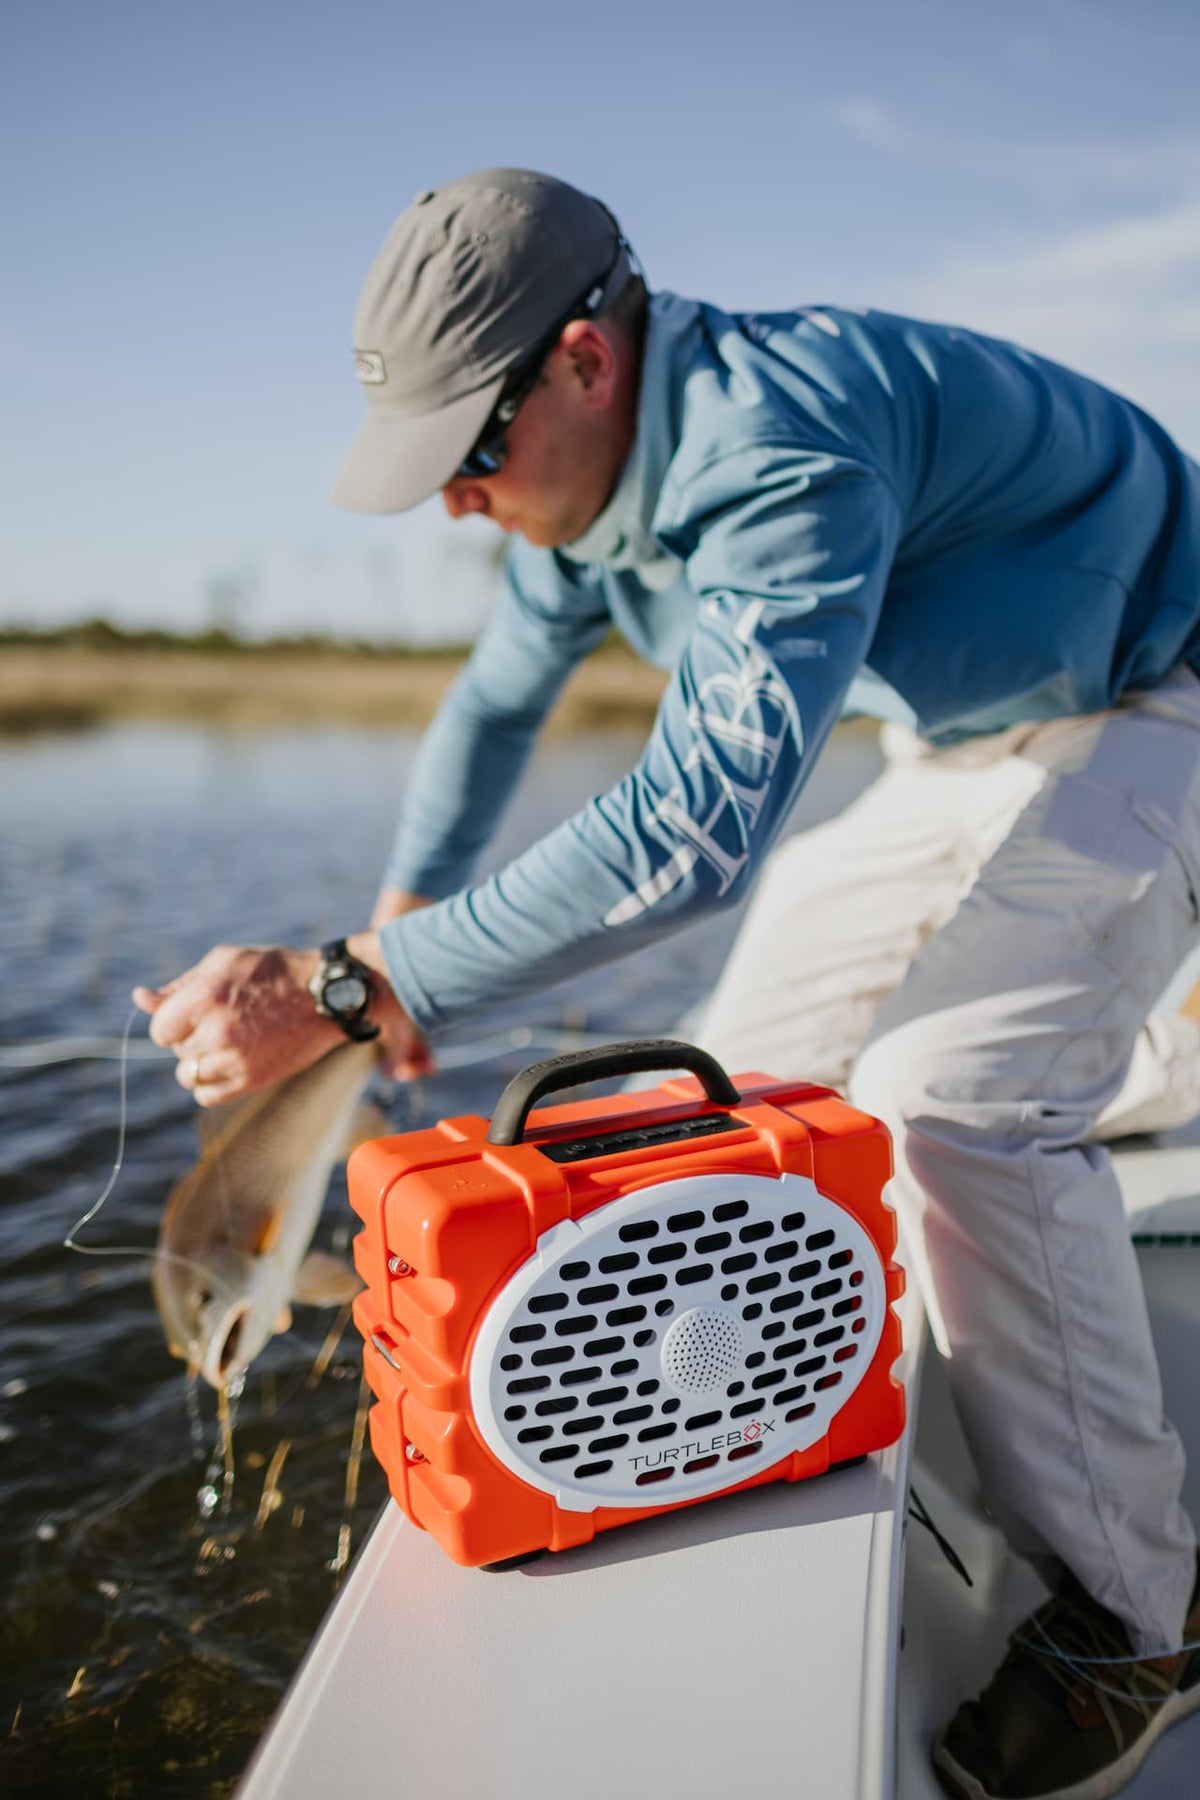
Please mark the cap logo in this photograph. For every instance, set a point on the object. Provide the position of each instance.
(368, 366)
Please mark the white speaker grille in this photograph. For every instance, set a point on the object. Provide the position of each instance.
(663, 1345)
(702, 1349)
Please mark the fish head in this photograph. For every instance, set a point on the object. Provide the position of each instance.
(218, 1313)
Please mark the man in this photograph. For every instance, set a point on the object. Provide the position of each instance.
(798, 513)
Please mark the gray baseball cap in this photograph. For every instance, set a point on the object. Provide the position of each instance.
(472, 279)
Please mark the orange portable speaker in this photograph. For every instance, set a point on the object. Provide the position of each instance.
(624, 1305)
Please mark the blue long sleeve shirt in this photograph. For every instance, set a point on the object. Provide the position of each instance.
(822, 510)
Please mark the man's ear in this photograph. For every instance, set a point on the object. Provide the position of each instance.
(592, 362)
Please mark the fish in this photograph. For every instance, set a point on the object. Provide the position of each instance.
(230, 1257)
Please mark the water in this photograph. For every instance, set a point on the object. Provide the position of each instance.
(147, 1637)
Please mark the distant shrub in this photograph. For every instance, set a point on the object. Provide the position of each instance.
(101, 635)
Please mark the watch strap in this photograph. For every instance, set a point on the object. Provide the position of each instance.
(337, 962)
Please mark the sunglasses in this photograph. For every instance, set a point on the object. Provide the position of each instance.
(489, 453)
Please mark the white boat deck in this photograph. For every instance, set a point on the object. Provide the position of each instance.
(700, 1652)
(745, 1641)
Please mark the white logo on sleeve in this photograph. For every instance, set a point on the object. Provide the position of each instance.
(741, 722)
(368, 366)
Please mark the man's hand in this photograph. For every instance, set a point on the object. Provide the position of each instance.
(243, 1018)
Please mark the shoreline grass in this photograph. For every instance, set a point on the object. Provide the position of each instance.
(95, 674)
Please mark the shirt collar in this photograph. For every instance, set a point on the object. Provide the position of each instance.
(621, 537)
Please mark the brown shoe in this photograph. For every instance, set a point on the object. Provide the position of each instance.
(1046, 1728)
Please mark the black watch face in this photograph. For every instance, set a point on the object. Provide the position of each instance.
(345, 995)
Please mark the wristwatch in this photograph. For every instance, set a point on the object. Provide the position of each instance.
(342, 989)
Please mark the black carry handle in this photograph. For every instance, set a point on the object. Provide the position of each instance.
(512, 1108)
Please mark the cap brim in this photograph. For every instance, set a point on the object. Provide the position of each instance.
(397, 461)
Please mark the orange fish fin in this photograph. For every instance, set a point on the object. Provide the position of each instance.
(325, 1280)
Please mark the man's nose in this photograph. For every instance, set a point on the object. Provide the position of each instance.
(462, 497)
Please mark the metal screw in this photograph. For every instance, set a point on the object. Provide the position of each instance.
(414, 1455)
(397, 1266)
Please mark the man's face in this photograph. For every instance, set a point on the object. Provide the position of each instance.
(565, 447)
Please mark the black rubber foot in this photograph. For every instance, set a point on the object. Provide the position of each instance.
(851, 1462)
(511, 1562)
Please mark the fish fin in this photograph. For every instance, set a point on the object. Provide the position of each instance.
(268, 1231)
(369, 1121)
(325, 1280)
(283, 1322)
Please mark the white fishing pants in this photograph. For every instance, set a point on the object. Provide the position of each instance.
(976, 943)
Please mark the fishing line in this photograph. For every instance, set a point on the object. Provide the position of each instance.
(918, 1510)
(1048, 1648)
(41, 1053)
(69, 1242)
(521, 1037)
(1079, 1665)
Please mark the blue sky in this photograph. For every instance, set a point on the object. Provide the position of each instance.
(194, 195)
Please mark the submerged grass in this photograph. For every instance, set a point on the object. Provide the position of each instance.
(143, 1651)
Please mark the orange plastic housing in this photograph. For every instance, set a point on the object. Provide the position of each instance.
(449, 1219)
